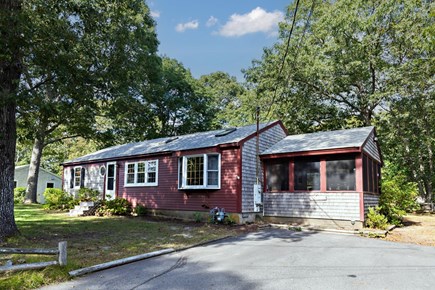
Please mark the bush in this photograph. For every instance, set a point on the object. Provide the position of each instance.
(88, 194)
(19, 194)
(56, 198)
(140, 210)
(375, 219)
(117, 206)
(398, 195)
(197, 217)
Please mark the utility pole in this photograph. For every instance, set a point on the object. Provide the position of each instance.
(257, 152)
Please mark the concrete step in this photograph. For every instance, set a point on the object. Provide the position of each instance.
(87, 203)
(75, 212)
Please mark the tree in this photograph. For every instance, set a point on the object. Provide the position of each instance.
(226, 96)
(181, 104)
(352, 63)
(10, 72)
(341, 62)
(83, 60)
(407, 126)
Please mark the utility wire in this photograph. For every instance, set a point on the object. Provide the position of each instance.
(307, 24)
(283, 59)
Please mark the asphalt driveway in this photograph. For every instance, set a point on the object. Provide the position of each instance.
(277, 259)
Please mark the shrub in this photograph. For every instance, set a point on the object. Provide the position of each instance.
(375, 219)
(88, 194)
(230, 219)
(19, 194)
(197, 217)
(117, 206)
(56, 198)
(140, 210)
(398, 195)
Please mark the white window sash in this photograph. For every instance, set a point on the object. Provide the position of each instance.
(136, 173)
(80, 176)
(205, 172)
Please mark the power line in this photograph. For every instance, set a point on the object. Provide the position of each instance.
(287, 50)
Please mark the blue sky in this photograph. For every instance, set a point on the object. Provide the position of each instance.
(216, 35)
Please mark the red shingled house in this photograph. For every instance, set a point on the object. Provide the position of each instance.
(326, 178)
(180, 175)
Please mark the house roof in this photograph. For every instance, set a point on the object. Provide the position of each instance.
(348, 138)
(40, 168)
(176, 143)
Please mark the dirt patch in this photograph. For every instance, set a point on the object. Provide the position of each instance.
(417, 229)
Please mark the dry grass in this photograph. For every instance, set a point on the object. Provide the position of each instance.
(94, 240)
(417, 229)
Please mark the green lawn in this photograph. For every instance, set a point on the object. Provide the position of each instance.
(94, 240)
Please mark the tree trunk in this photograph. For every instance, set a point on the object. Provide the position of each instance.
(32, 177)
(10, 71)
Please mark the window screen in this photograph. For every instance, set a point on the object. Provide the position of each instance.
(307, 175)
(277, 176)
(340, 174)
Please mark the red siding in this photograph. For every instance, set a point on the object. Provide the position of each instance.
(167, 196)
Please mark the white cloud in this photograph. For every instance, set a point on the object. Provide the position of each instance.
(258, 20)
(155, 14)
(212, 21)
(181, 27)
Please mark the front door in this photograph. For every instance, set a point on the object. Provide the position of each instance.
(111, 181)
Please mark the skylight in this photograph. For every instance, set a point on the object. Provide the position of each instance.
(171, 139)
(225, 132)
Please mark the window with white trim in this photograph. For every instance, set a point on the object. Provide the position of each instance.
(77, 176)
(200, 171)
(141, 173)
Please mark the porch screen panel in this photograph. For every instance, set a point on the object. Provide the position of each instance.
(340, 174)
(307, 175)
(365, 174)
(277, 176)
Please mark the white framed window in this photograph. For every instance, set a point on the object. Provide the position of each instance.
(141, 173)
(77, 181)
(200, 171)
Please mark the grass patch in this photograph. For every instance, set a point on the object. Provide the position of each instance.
(94, 240)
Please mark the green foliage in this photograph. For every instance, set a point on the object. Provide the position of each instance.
(182, 104)
(140, 210)
(198, 217)
(230, 219)
(56, 198)
(375, 219)
(19, 194)
(226, 99)
(88, 194)
(117, 206)
(398, 195)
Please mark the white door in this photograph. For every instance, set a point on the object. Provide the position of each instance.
(111, 181)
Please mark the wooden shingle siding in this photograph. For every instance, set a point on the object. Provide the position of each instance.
(371, 148)
(342, 206)
(93, 179)
(267, 139)
(370, 200)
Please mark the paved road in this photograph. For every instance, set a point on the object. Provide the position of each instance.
(277, 259)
